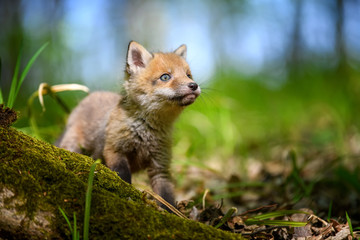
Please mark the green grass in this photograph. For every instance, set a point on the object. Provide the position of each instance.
(17, 81)
(75, 233)
(350, 225)
(228, 214)
(73, 230)
(265, 219)
(301, 187)
(237, 116)
(88, 200)
(329, 211)
(237, 119)
(67, 219)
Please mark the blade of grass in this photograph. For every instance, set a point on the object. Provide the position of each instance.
(350, 225)
(275, 214)
(75, 235)
(262, 219)
(11, 97)
(28, 66)
(88, 200)
(67, 219)
(228, 214)
(329, 212)
(275, 223)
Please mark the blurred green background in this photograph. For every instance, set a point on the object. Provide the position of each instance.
(275, 75)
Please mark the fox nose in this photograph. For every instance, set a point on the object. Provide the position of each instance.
(193, 86)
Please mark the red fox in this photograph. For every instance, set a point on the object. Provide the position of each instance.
(133, 131)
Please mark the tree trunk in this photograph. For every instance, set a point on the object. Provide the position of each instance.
(294, 63)
(37, 178)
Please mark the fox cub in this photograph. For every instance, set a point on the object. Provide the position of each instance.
(133, 131)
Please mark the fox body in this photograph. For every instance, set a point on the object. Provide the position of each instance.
(133, 131)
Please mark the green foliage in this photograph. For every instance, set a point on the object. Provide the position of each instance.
(350, 225)
(17, 82)
(67, 219)
(301, 188)
(74, 232)
(350, 178)
(239, 118)
(88, 199)
(263, 219)
(228, 214)
(329, 212)
(237, 114)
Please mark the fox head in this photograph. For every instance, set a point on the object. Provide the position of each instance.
(159, 81)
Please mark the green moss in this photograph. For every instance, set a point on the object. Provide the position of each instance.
(46, 178)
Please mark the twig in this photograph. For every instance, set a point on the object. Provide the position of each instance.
(160, 199)
(203, 198)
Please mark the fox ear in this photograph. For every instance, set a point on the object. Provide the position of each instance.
(137, 58)
(181, 51)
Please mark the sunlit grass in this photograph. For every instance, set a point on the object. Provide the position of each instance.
(266, 219)
(17, 81)
(240, 114)
(242, 119)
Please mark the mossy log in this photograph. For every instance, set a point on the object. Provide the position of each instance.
(36, 178)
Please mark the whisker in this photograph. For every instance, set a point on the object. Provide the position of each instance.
(205, 97)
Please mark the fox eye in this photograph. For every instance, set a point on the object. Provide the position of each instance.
(165, 77)
(189, 76)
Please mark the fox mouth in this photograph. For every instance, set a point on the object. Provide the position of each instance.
(186, 99)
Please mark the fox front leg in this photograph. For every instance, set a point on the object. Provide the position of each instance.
(161, 184)
(119, 164)
(71, 141)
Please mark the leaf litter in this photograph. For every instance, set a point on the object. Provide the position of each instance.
(319, 183)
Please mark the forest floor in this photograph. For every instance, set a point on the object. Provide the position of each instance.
(320, 182)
